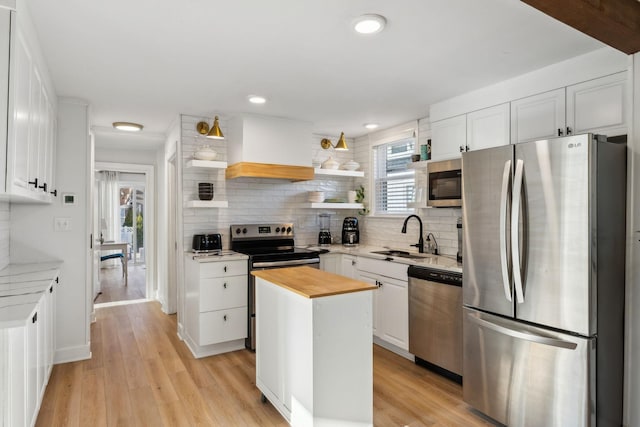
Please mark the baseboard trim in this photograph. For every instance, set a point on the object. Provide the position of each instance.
(72, 354)
(394, 348)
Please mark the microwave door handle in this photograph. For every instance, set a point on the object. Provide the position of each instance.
(515, 237)
(504, 261)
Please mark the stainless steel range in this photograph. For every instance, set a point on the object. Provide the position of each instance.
(268, 246)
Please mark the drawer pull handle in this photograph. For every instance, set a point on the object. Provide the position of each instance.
(225, 268)
(34, 319)
(51, 290)
(225, 317)
(225, 285)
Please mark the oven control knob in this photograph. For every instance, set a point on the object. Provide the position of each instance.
(237, 231)
(244, 231)
(288, 229)
(277, 229)
(283, 230)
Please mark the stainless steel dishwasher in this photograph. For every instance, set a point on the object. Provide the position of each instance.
(435, 320)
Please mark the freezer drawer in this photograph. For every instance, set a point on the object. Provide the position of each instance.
(521, 375)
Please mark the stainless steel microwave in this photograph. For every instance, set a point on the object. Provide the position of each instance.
(445, 183)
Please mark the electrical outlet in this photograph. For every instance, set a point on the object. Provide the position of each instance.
(62, 224)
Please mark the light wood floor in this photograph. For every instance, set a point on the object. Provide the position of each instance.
(113, 288)
(141, 374)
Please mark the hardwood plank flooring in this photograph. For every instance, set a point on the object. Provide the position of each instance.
(112, 286)
(141, 374)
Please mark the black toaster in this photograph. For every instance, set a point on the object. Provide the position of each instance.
(207, 242)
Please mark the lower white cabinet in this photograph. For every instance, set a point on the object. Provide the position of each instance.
(330, 263)
(215, 305)
(26, 356)
(390, 301)
(348, 266)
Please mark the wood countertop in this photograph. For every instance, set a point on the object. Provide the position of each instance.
(311, 282)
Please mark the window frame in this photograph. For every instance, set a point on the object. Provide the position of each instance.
(374, 147)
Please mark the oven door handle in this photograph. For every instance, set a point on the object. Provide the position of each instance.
(288, 263)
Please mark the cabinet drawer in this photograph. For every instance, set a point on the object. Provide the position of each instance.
(223, 325)
(223, 292)
(223, 268)
(384, 268)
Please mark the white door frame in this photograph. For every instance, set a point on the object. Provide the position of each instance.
(149, 218)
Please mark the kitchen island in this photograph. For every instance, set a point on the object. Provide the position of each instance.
(314, 355)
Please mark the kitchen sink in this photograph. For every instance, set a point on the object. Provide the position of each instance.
(401, 254)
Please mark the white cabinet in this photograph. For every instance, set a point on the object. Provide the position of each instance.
(30, 144)
(476, 130)
(26, 354)
(539, 116)
(596, 106)
(488, 127)
(390, 301)
(215, 305)
(349, 266)
(330, 263)
(448, 137)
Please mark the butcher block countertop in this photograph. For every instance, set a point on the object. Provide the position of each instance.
(311, 282)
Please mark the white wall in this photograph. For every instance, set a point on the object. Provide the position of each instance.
(34, 239)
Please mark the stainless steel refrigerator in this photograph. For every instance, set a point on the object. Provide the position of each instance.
(543, 281)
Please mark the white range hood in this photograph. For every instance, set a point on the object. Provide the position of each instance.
(269, 147)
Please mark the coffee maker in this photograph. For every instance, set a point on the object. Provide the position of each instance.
(324, 237)
(350, 232)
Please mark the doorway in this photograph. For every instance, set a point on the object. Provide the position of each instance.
(123, 223)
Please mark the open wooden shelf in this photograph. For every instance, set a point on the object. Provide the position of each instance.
(207, 204)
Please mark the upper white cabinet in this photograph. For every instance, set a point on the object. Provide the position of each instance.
(488, 127)
(596, 106)
(31, 114)
(480, 129)
(448, 137)
(538, 117)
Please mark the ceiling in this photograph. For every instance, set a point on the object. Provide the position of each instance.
(147, 61)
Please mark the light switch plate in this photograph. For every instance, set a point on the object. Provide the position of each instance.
(62, 224)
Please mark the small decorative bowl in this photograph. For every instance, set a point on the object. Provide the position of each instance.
(351, 165)
(205, 153)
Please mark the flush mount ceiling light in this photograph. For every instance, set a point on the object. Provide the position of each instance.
(257, 99)
(128, 126)
(369, 23)
(213, 133)
(371, 125)
(341, 145)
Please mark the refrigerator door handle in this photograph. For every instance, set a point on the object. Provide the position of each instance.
(504, 262)
(539, 339)
(515, 237)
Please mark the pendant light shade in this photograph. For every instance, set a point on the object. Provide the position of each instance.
(215, 132)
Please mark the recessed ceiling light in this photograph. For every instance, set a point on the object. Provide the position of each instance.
(369, 24)
(128, 126)
(257, 99)
(371, 125)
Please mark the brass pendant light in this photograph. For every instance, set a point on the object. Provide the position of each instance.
(215, 132)
(341, 145)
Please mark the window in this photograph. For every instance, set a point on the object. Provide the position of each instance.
(394, 184)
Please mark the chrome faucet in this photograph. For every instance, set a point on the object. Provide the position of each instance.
(432, 248)
(420, 244)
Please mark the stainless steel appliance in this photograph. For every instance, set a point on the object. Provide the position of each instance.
(445, 183)
(324, 236)
(435, 319)
(460, 252)
(268, 246)
(206, 242)
(350, 231)
(543, 294)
